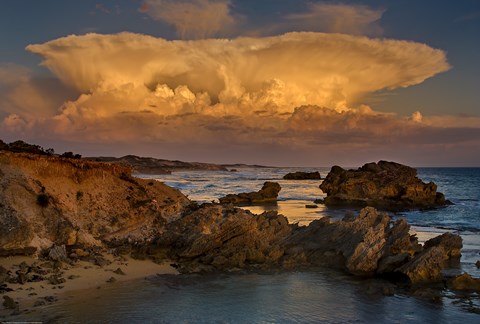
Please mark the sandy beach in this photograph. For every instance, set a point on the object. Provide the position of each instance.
(31, 297)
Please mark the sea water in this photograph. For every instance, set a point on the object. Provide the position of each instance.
(292, 297)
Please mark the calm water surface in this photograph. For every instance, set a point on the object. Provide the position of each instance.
(295, 297)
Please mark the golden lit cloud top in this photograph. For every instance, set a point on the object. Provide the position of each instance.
(275, 73)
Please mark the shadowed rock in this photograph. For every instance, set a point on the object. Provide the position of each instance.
(268, 193)
(464, 282)
(302, 176)
(385, 185)
(427, 265)
(216, 237)
(223, 238)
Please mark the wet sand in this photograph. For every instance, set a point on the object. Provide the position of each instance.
(32, 297)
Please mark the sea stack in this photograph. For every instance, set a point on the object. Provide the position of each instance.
(386, 185)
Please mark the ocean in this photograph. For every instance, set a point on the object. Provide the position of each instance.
(293, 297)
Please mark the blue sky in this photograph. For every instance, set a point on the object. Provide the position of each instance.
(446, 96)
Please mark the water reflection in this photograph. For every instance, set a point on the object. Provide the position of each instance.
(293, 297)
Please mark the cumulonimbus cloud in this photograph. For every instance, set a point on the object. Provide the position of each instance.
(296, 91)
(275, 73)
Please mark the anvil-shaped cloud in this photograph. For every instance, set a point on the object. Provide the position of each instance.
(276, 73)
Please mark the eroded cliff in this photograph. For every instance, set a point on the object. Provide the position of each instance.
(48, 200)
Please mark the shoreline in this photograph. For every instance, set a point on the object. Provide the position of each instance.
(32, 297)
(85, 278)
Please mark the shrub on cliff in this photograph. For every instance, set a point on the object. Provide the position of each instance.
(24, 147)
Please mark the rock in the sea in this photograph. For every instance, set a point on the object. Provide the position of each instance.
(356, 245)
(427, 265)
(302, 176)
(451, 243)
(385, 185)
(464, 282)
(268, 193)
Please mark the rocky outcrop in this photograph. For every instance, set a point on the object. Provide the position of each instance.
(464, 282)
(363, 245)
(217, 238)
(385, 185)
(302, 176)
(428, 264)
(48, 200)
(214, 237)
(268, 193)
(371, 245)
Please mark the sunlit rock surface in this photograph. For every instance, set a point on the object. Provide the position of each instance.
(50, 200)
(268, 193)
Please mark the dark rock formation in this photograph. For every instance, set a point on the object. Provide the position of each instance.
(268, 193)
(302, 176)
(215, 237)
(464, 282)
(428, 264)
(385, 185)
(364, 245)
(9, 303)
(58, 253)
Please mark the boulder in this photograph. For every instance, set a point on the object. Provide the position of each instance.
(464, 282)
(58, 253)
(302, 176)
(268, 193)
(223, 238)
(427, 265)
(451, 243)
(386, 185)
(356, 244)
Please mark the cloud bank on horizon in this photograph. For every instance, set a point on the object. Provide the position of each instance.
(266, 97)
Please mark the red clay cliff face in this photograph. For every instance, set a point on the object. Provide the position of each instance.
(385, 185)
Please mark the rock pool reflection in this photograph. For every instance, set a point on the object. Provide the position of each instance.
(287, 297)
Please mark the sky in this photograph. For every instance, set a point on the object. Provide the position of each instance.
(273, 82)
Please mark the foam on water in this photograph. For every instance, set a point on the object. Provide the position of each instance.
(460, 185)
